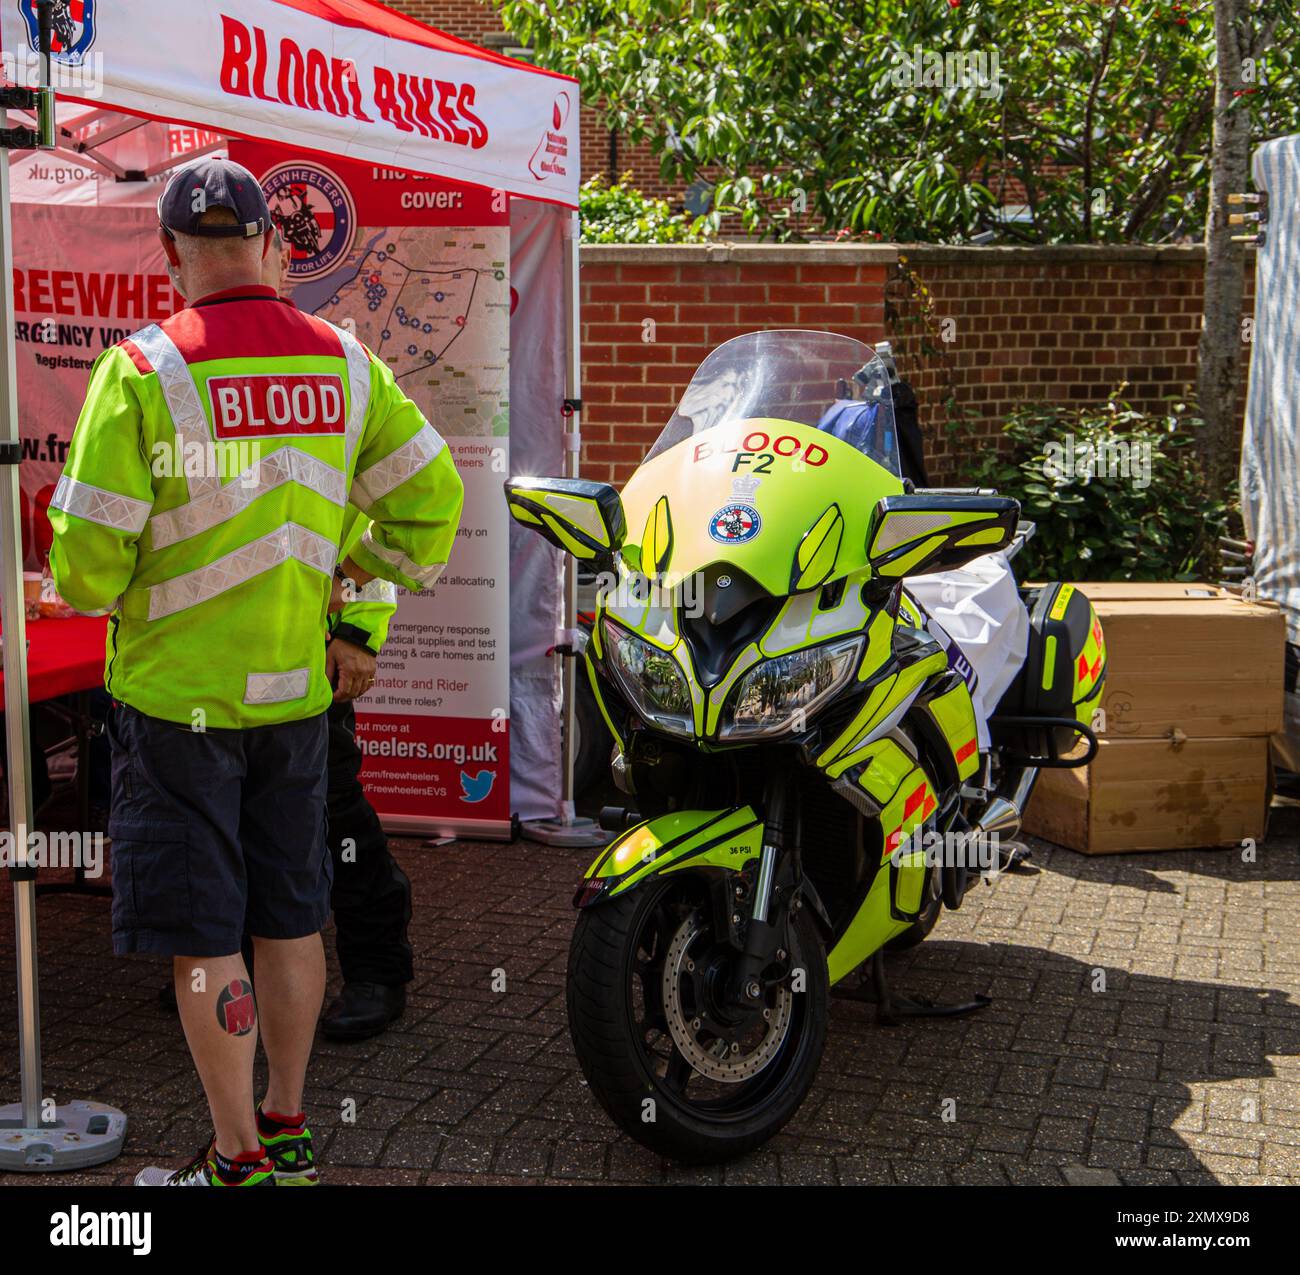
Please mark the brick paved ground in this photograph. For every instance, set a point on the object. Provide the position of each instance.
(1184, 1069)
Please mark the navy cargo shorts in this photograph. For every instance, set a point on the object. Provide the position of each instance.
(216, 834)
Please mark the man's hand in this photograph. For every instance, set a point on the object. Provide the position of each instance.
(350, 669)
(344, 591)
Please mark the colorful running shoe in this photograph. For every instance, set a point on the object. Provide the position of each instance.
(211, 1168)
(287, 1140)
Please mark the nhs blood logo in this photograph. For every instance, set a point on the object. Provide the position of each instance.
(315, 215)
(73, 28)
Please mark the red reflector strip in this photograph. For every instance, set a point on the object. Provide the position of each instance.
(914, 801)
(965, 750)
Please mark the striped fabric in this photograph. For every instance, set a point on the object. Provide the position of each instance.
(1270, 450)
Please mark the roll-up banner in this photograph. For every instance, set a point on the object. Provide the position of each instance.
(419, 270)
(88, 274)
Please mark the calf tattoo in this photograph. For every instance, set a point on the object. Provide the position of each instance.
(236, 1009)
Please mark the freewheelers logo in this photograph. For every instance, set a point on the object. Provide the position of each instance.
(73, 28)
(315, 215)
(735, 524)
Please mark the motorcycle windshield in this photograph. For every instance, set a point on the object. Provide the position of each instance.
(828, 382)
(772, 464)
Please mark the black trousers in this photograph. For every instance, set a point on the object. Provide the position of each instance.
(372, 895)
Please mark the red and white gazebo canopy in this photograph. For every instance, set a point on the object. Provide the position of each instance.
(339, 77)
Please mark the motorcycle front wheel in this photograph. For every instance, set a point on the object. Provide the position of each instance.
(677, 1066)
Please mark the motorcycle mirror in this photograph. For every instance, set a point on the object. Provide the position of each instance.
(915, 534)
(581, 517)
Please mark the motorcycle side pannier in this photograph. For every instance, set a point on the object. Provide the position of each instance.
(1062, 678)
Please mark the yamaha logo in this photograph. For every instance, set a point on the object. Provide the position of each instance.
(72, 29)
(315, 215)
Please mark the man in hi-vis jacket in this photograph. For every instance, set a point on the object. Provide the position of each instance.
(203, 502)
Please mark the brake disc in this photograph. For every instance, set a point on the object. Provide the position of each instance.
(719, 1059)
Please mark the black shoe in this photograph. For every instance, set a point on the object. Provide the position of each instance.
(362, 1010)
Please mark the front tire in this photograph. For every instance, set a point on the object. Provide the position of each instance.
(633, 1007)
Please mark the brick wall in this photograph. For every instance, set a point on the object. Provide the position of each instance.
(994, 328)
(696, 297)
(1060, 324)
(465, 19)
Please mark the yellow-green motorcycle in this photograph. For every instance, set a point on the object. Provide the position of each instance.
(807, 779)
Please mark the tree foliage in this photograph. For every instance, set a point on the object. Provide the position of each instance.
(921, 119)
(1086, 477)
(620, 213)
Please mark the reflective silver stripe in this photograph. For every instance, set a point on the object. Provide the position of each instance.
(400, 464)
(276, 688)
(284, 465)
(378, 590)
(183, 403)
(358, 389)
(423, 576)
(289, 542)
(94, 504)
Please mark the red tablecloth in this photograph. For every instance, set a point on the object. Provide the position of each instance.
(64, 656)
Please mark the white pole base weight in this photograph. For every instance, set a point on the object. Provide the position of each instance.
(82, 1134)
(573, 834)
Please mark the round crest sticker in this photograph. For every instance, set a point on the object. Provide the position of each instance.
(73, 27)
(735, 524)
(315, 215)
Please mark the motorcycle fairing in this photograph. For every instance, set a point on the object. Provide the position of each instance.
(884, 706)
(818, 551)
(953, 712)
(805, 619)
(892, 904)
(792, 477)
(599, 695)
(728, 839)
(725, 839)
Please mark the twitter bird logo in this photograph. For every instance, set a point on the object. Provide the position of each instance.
(476, 788)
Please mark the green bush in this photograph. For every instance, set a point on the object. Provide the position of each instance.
(622, 214)
(1117, 494)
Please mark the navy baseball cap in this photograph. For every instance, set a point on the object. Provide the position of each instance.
(213, 183)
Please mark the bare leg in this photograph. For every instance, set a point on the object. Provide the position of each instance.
(220, 1023)
(290, 987)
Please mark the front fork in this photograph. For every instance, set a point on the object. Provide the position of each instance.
(763, 937)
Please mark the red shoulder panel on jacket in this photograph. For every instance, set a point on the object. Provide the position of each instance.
(254, 327)
(136, 355)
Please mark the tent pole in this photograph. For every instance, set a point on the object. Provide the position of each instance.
(568, 829)
(75, 1134)
(17, 726)
(572, 465)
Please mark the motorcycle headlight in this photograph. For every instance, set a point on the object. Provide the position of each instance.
(651, 679)
(783, 693)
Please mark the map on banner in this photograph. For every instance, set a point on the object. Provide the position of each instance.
(422, 304)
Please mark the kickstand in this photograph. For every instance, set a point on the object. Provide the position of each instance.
(893, 1006)
(1014, 857)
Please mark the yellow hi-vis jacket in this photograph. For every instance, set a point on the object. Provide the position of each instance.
(204, 496)
(364, 619)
